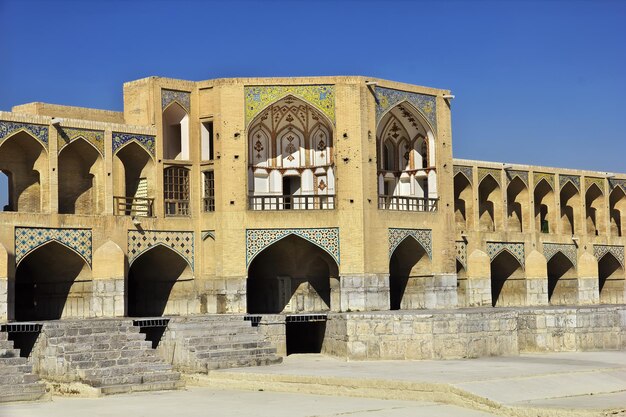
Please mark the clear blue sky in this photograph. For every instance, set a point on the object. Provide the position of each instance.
(536, 82)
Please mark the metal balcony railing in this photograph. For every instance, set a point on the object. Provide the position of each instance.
(291, 202)
(404, 203)
(133, 206)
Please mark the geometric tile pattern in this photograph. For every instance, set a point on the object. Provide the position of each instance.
(121, 139)
(597, 181)
(460, 248)
(538, 176)
(617, 183)
(67, 135)
(617, 251)
(27, 239)
(467, 171)
(38, 131)
(551, 249)
(422, 236)
(320, 96)
(563, 179)
(386, 98)
(522, 175)
(483, 172)
(181, 97)
(259, 239)
(515, 249)
(179, 242)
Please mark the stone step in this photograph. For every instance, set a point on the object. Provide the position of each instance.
(113, 346)
(23, 368)
(138, 370)
(9, 353)
(13, 361)
(210, 339)
(234, 345)
(22, 392)
(241, 363)
(59, 334)
(153, 386)
(227, 354)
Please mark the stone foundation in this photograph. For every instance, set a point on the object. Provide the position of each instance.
(364, 292)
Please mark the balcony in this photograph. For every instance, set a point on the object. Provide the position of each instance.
(291, 202)
(133, 206)
(403, 203)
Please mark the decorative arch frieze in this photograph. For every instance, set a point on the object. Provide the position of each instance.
(181, 97)
(460, 249)
(121, 139)
(597, 181)
(27, 239)
(422, 236)
(522, 175)
(258, 98)
(569, 250)
(538, 176)
(181, 242)
(387, 98)
(208, 234)
(514, 248)
(259, 239)
(618, 183)
(39, 132)
(617, 251)
(483, 172)
(564, 179)
(466, 171)
(68, 134)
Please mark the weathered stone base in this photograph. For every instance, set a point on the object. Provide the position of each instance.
(364, 292)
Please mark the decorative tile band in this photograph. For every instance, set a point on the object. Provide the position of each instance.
(460, 249)
(181, 97)
(538, 176)
(121, 139)
(320, 96)
(564, 179)
(617, 251)
(259, 239)
(27, 239)
(68, 134)
(422, 236)
(38, 131)
(569, 250)
(387, 98)
(597, 181)
(141, 241)
(208, 234)
(483, 172)
(466, 171)
(515, 249)
(617, 183)
(522, 175)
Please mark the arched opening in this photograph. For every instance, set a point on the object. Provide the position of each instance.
(611, 280)
(52, 282)
(410, 275)
(617, 208)
(175, 132)
(81, 190)
(570, 206)
(489, 204)
(24, 162)
(463, 202)
(594, 211)
(293, 276)
(5, 191)
(160, 282)
(562, 281)
(508, 286)
(133, 176)
(388, 156)
(544, 207)
(517, 205)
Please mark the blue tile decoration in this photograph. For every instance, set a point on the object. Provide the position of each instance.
(483, 172)
(259, 239)
(387, 98)
(460, 249)
(27, 239)
(121, 139)
(538, 176)
(522, 175)
(181, 97)
(208, 234)
(569, 250)
(515, 249)
(597, 181)
(68, 134)
(258, 98)
(422, 236)
(564, 179)
(466, 171)
(39, 132)
(617, 251)
(617, 183)
(181, 242)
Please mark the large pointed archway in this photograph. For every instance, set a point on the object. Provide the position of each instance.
(81, 173)
(612, 280)
(508, 286)
(409, 275)
(562, 280)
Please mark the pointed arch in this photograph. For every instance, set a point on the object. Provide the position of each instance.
(417, 112)
(545, 209)
(287, 96)
(175, 126)
(611, 278)
(81, 172)
(149, 248)
(135, 142)
(617, 211)
(410, 268)
(489, 203)
(595, 210)
(570, 208)
(508, 287)
(57, 241)
(562, 280)
(463, 201)
(517, 205)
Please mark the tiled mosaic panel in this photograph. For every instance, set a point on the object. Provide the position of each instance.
(617, 251)
(564, 179)
(422, 236)
(320, 96)
(483, 172)
(460, 249)
(259, 239)
(538, 176)
(387, 98)
(597, 181)
(515, 249)
(467, 171)
(569, 250)
(618, 183)
(140, 241)
(38, 131)
(181, 97)
(121, 139)
(522, 175)
(68, 134)
(27, 239)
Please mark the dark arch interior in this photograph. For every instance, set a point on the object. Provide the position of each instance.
(291, 266)
(486, 206)
(504, 269)
(408, 267)
(611, 280)
(78, 192)
(562, 280)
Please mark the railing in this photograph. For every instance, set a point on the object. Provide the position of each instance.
(291, 202)
(404, 203)
(209, 203)
(133, 206)
(177, 208)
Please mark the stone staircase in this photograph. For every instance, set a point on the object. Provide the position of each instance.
(204, 343)
(110, 355)
(17, 381)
